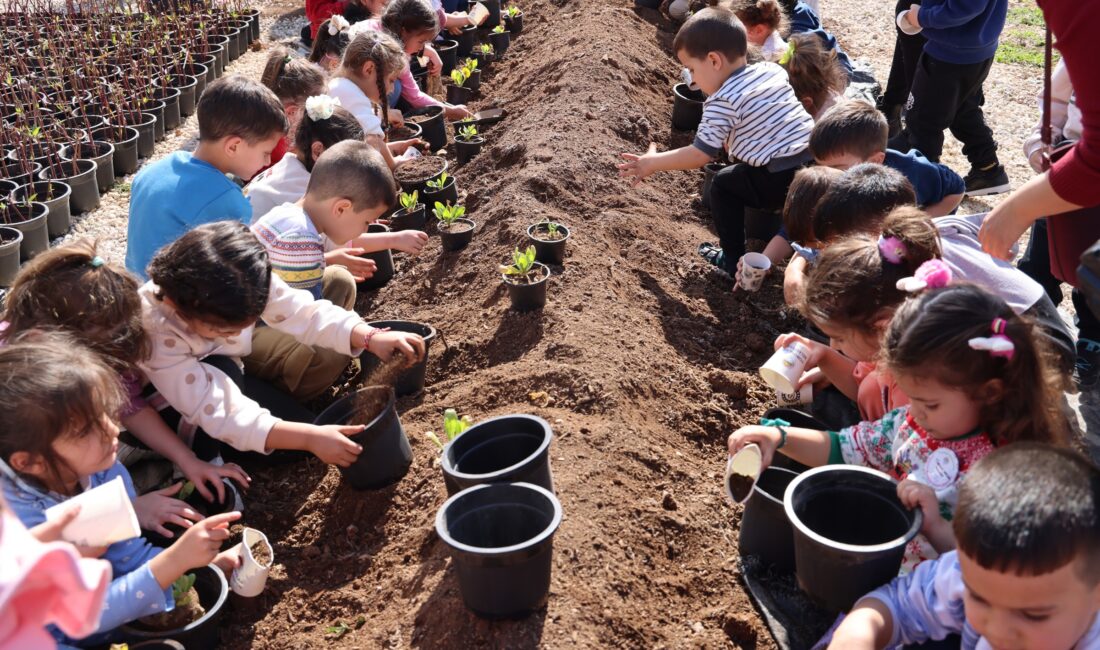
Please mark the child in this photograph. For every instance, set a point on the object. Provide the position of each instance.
(764, 20)
(240, 123)
(946, 92)
(292, 80)
(854, 132)
(977, 378)
(48, 455)
(207, 290)
(752, 112)
(815, 74)
(1026, 573)
(858, 201)
(329, 45)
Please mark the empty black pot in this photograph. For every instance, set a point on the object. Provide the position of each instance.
(765, 530)
(448, 55)
(10, 241)
(411, 219)
(501, 539)
(383, 260)
(506, 448)
(60, 216)
(411, 381)
(454, 239)
(433, 130)
(213, 591)
(528, 297)
(850, 532)
(500, 42)
(82, 181)
(386, 454)
(466, 40)
(458, 94)
(465, 150)
(548, 251)
(448, 195)
(687, 107)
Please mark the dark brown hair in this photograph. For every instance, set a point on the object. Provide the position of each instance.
(761, 12)
(387, 55)
(929, 338)
(341, 126)
(858, 200)
(326, 43)
(238, 106)
(292, 79)
(712, 30)
(807, 188)
(52, 388)
(814, 71)
(98, 304)
(851, 126)
(353, 170)
(412, 16)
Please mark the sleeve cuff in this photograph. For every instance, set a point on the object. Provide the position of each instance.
(706, 148)
(264, 424)
(836, 457)
(1074, 181)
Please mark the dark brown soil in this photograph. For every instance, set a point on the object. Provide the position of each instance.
(369, 405)
(543, 234)
(535, 275)
(455, 227)
(417, 119)
(178, 617)
(420, 169)
(261, 552)
(739, 486)
(401, 133)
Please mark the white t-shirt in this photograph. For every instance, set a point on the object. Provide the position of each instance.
(356, 102)
(283, 182)
(774, 47)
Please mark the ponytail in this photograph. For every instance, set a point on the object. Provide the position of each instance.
(328, 44)
(342, 125)
(762, 12)
(292, 79)
(813, 71)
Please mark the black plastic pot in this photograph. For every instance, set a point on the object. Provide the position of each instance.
(147, 138)
(84, 185)
(514, 23)
(528, 297)
(386, 454)
(447, 196)
(433, 130)
(709, 170)
(60, 215)
(213, 591)
(210, 62)
(33, 226)
(457, 94)
(765, 530)
(408, 219)
(466, 40)
(483, 60)
(103, 155)
(253, 17)
(156, 109)
(473, 82)
(850, 532)
(500, 42)
(503, 449)
(11, 239)
(200, 74)
(221, 57)
(188, 87)
(126, 147)
(383, 260)
(200, 505)
(421, 184)
(548, 251)
(465, 150)
(448, 55)
(158, 644)
(687, 107)
(13, 172)
(501, 540)
(171, 99)
(456, 241)
(411, 381)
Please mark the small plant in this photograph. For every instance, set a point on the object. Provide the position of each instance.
(467, 133)
(485, 49)
(512, 11)
(499, 29)
(186, 491)
(459, 76)
(181, 588)
(551, 228)
(341, 628)
(409, 201)
(453, 426)
(522, 263)
(448, 214)
(470, 66)
(438, 183)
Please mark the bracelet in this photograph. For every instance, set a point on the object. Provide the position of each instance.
(778, 424)
(371, 333)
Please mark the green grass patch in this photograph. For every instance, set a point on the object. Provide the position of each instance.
(1023, 37)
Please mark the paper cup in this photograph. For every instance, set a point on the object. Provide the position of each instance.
(106, 516)
(805, 395)
(478, 14)
(754, 268)
(249, 578)
(784, 368)
(904, 25)
(744, 467)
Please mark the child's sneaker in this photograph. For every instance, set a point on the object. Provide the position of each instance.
(713, 255)
(1087, 370)
(981, 182)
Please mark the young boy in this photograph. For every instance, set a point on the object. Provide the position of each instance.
(960, 41)
(854, 132)
(1026, 574)
(240, 123)
(752, 112)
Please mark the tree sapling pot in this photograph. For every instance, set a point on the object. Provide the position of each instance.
(411, 379)
(195, 620)
(102, 154)
(467, 144)
(513, 19)
(80, 176)
(383, 261)
(441, 190)
(413, 175)
(500, 38)
(548, 238)
(386, 454)
(526, 280)
(433, 130)
(10, 241)
(125, 141)
(55, 195)
(455, 232)
(28, 217)
(411, 215)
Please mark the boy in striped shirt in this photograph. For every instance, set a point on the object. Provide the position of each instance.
(751, 112)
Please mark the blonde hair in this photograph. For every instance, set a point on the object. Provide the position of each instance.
(387, 55)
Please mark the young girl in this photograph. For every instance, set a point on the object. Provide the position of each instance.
(206, 293)
(292, 80)
(70, 288)
(814, 73)
(328, 47)
(978, 377)
(48, 455)
(764, 20)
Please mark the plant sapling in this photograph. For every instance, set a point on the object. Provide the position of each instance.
(409, 200)
(467, 133)
(453, 426)
(439, 183)
(523, 263)
(448, 214)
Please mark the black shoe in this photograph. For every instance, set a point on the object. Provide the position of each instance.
(1087, 371)
(989, 181)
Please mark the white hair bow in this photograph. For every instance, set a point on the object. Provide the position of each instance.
(321, 107)
(337, 24)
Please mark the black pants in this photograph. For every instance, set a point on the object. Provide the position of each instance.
(733, 189)
(1036, 263)
(948, 96)
(907, 51)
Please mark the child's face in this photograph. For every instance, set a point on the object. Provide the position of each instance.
(91, 452)
(415, 41)
(1046, 612)
(845, 161)
(247, 158)
(709, 72)
(943, 411)
(343, 223)
(851, 342)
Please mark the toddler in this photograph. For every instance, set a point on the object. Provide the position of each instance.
(292, 80)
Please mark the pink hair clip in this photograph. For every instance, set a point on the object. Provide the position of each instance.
(998, 345)
(933, 274)
(892, 249)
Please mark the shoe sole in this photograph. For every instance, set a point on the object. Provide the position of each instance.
(986, 191)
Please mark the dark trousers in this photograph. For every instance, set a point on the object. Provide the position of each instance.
(1036, 263)
(907, 51)
(733, 189)
(948, 96)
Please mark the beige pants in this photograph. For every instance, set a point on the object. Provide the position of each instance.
(304, 371)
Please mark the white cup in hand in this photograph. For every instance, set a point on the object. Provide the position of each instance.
(903, 23)
(754, 268)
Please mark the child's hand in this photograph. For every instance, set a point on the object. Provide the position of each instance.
(817, 352)
(457, 112)
(938, 531)
(409, 241)
(331, 444)
(435, 64)
(913, 15)
(228, 560)
(401, 146)
(200, 544)
(360, 268)
(50, 531)
(637, 166)
(396, 118)
(385, 344)
(202, 474)
(162, 507)
(767, 438)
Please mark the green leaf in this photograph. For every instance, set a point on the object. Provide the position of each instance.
(186, 491)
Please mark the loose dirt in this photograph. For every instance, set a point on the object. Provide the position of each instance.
(261, 552)
(420, 169)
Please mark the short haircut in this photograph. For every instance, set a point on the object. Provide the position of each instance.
(353, 170)
(859, 200)
(217, 273)
(851, 126)
(807, 188)
(1030, 509)
(238, 106)
(712, 30)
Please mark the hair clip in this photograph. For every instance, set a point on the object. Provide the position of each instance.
(321, 107)
(933, 274)
(337, 24)
(286, 59)
(892, 249)
(97, 262)
(786, 58)
(998, 345)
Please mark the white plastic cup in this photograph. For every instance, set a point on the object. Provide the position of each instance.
(250, 577)
(783, 370)
(748, 461)
(805, 395)
(904, 25)
(106, 516)
(478, 14)
(754, 268)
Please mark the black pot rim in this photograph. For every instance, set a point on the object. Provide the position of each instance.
(431, 335)
(477, 139)
(445, 44)
(390, 404)
(444, 533)
(5, 245)
(144, 634)
(544, 446)
(504, 278)
(449, 183)
(471, 222)
(532, 227)
(90, 170)
(681, 90)
(67, 192)
(424, 181)
(36, 207)
(759, 493)
(404, 212)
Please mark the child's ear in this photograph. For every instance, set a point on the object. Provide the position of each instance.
(991, 392)
(316, 149)
(715, 59)
(340, 207)
(808, 104)
(877, 157)
(25, 462)
(292, 109)
(232, 144)
(367, 69)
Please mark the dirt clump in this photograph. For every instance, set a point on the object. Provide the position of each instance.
(261, 552)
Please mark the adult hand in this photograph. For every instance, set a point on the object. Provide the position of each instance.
(1001, 229)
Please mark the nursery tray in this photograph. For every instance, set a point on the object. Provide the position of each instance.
(794, 621)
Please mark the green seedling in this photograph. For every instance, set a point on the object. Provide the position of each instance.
(341, 628)
(499, 29)
(438, 183)
(512, 11)
(448, 214)
(470, 66)
(453, 426)
(180, 589)
(409, 201)
(485, 48)
(186, 491)
(459, 76)
(522, 263)
(551, 227)
(467, 132)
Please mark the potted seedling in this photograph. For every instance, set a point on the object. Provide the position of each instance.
(526, 280)
(413, 175)
(454, 231)
(55, 195)
(441, 190)
(411, 214)
(484, 55)
(467, 143)
(453, 426)
(10, 241)
(29, 217)
(102, 154)
(473, 75)
(500, 39)
(513, 18)
(457, 92)
(548, 237)
(200, 598)
(386, 453)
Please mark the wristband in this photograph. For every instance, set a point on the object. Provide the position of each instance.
(778, 424)
(370, 335)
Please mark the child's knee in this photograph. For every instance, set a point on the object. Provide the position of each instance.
(339, 287)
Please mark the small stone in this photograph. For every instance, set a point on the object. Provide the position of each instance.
(697, 627)
(667, 502)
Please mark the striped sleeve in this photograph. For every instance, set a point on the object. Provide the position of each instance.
(296, 257)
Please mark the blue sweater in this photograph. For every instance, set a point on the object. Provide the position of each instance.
(805, 21)
(962, 31)
(931, 181)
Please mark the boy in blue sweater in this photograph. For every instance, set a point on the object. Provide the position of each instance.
(960, 40)
(240, 122)
(855, 132)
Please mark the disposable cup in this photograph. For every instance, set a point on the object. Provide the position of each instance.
(106, 516)
(783, 370)
(754, 268)
(478, 14)
(904, 25)
(747, 463)
(249, 578)
(805, 395)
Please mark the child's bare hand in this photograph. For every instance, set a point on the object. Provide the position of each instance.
(457, 112)
(638, 167)
(199, 544)
(360, 268)
(409, 241)
(331, 444)
(162, 507)
(767, 438)
(817, 352)
(203, 474)
(395, 117)
(914, 494)
(435, 64)
(913, 15)
(50, 531)
(401, 146)
(385, 344)
(228, 560)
